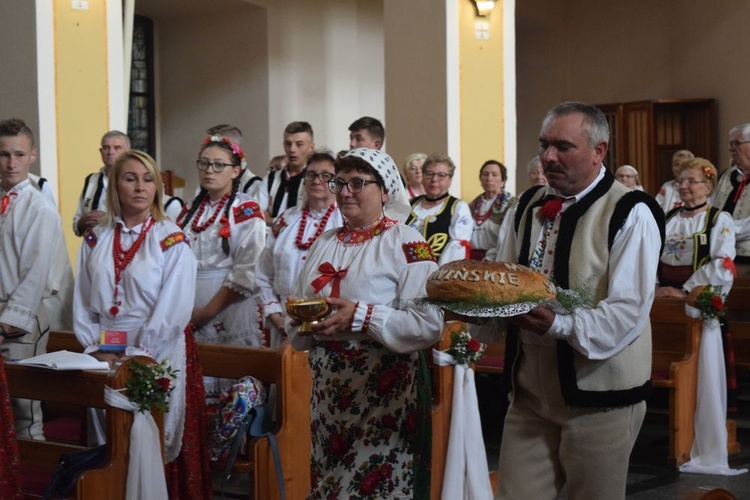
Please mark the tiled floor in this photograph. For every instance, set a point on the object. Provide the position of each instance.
(649, 476)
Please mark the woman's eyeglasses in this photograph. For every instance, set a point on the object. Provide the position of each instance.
(354, 185)
(440, 175)
(324, 177)
(216, 165)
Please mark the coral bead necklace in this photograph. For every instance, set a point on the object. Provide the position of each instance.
(122, 258)
(199, 228)
(321, 227)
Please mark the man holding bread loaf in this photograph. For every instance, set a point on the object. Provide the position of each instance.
(579, 380)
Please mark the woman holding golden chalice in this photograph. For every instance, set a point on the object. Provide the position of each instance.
(364, 356)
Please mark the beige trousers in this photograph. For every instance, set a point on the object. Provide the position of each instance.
(547, 444)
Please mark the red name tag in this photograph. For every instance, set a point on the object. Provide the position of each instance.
(113, 341)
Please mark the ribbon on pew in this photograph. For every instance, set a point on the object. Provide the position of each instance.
(466, 471)
(709, 452)
(146, 478)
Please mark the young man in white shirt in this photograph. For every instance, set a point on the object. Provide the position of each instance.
(30, 233)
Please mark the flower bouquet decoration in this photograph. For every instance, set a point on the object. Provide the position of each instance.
(709, 300)
(465, 349)
(150, 385)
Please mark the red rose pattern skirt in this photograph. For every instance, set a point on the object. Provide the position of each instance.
(363, 421)
(189, 476)
(10, 465)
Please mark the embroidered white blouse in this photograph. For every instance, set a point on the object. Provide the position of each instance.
(30, 231)
(281, 261)
(380, 271)
(156, 293)
(680, 245)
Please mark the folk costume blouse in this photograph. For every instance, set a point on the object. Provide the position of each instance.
(291, 238)
(679, 249)
(384, 269)
(30, 230)
(459, 233)
(154, 299)
(488, 215)
(238, 324)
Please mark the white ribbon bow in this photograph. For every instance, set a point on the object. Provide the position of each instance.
(466, 475)
(146, 479)
(709, 452)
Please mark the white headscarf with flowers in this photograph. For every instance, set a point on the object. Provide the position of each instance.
(397, 206)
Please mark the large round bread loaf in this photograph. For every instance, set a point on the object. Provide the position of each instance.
(488, 283)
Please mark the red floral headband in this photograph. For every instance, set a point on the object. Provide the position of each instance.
(708, 172)
(233, 146)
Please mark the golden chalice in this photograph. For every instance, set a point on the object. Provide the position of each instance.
(307, 312)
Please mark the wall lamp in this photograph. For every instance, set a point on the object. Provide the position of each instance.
(484, 7)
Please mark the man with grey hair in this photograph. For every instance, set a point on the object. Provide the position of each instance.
(579, 380)
(91, 206)
(732, 195)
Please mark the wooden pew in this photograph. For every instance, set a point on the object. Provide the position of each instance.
(289, 370)
(286, 368)
(442, 401)
(676, 343)
(738, 314)
(85, 389)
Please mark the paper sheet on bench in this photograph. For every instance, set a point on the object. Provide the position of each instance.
(66, 360)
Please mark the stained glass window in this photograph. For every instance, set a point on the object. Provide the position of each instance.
(141, 127)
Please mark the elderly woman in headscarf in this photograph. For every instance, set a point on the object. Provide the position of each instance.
(367, 425)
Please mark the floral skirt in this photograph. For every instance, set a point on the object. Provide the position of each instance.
(363, 421)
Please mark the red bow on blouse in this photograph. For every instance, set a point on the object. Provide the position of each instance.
(5, 202)
(328, 274)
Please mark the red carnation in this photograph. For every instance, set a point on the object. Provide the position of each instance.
(473, 345)
(717, 302)
(369, 483)
(551, 208)
(163, 383)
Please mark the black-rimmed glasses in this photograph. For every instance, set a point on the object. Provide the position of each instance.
(325, 177)
(216, 165)
(355, 185)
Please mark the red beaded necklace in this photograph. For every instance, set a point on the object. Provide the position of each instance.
(199, 228)
(301, 232)
(122, 258)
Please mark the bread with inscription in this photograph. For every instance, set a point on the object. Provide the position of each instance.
(488, 283)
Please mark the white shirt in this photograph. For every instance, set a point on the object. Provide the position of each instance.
(30, 232)
(618, 319)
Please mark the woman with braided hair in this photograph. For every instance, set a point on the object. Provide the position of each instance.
(227, 233)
